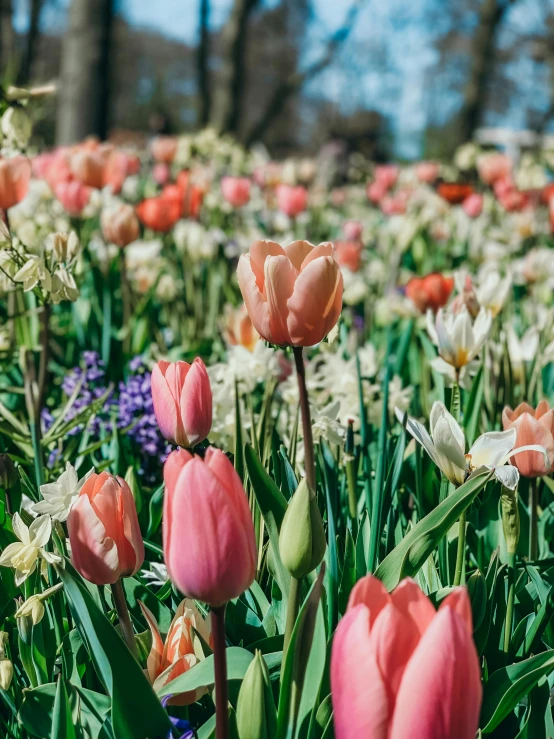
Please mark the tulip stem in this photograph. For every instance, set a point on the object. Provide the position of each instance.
(533, 520)
(126, 302)
(460, 553)
(124, 618)
(220, 668)
(292, 612)
(350, 462)
(511, 601)
(309, 459)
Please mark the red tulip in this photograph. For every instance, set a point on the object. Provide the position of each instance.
(104, 532)
(454, 192)
(236, 190)
(15, 174)
(159, 214)
(399, 669)
(208, 535)
(431, 291)
(532, 427)
(182, 399)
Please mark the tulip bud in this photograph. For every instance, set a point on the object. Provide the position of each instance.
(510, 518)
(302, 540)
(256, 714)
(8, 473)
(33, 608)
(6, 673)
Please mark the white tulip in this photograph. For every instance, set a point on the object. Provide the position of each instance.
(458, 337)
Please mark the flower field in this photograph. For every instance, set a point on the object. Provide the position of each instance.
(276, 444)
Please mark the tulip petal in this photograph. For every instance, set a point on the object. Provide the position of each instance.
(316, 302)
(507, 476)
(324, 249)
(491, 448)
(130, 544)
(297, 252)
(165, 405)
(279, 286)
(255, 303)
(440, 693)
(459, 601)
(196, 403)
(412, 601)
(360, 703)
(372, 593)
(259, 252)
(154, 660)
(93, 553)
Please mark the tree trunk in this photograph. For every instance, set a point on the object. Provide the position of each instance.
(229, 94)
(84, 84)
(31, 41)
(204, 92)
(483, 51)
(7, 41)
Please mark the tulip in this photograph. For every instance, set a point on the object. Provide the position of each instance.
(376, 191)
(236, 190)
(161, 173)
(493, 167)
(454, 192)
(182, 399)
(291, 200)
(73, 195)
(348, 254)
(208, 535)
(15, 174)
(532, 427)
(473, 205)
(104, 532)
(177, 655)
(302, 541)
(238, 328)
(386, 175)
(459, 338)
(164, 148)
(89, 166)
(427, 171)
(352, 230)
(159, 214)
(400, 669)
(256, 714)
(120, 225)
(394, 205)
(430, 292)
(294, 293)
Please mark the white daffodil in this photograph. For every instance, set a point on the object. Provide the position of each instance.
(446, 446)
(459, 338)
(24, 554)
(325, 424)
(59, 496)
(33, 607)
(492, 291)
(522, 350)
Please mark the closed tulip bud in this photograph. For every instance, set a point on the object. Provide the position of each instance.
(208, 534)
(510, 519)
(104, 532)
(120, 225)
(8, 473)
(182, 399)
(6, 673)
(302, 538)
(256, 714)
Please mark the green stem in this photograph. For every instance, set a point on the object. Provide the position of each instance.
(350, 462)
(220, 669)
(458, 572)
(126, 301)
(511, 600)
(292, 612)
(309, 459)
(533, 520)
(124, 617)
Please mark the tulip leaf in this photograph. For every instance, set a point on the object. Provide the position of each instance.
(136, 711)
(507, 686)
(62, 720)
(406, 559)
(273, 506)
(202, 674)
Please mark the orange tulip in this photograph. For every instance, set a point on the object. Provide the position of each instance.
(532, 427)
(159, 214)
(15, 174)
(431, 291)
(454, 192)
(294, 293)
(120, 225)
(168, 660)
(238, 328)
(104, 532)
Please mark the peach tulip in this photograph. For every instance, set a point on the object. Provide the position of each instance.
(294, 293)
(236, 190)
(182, 399)
(73, 195)
(120, 225)
(532, 427)
(168, 660)
(493, 167)
(473, 205)
(89, 166)
(429, 292)
(164, 148)
(400, 669)
(15, 174)
(349, 254)
(208, 534)
(104, 532)
(427, 171)
(376, 191)
(291, 199)
(238, 329)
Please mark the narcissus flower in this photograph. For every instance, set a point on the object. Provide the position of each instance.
(294, 293)
(532, 427)
(24, 555)
(400, 669)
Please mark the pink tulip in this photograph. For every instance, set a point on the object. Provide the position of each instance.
(120, 225)
(164, 148)
(161, 173)
(349, 254)
(104, 532)
(376, 191)
(182, 399)
(493, 167)
(386, 175)
(292, 200)
(208, 535)
(236, 190)
(15, 174)
(89, 166)
(399, 669)
(532, 427)
(73, 195)
(352, 230)
(473, 205)
(427, 171)
(293, 294)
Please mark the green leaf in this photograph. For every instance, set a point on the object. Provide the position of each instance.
(406, 558)
(136, 711)
(62, 721)
(507, 686)
(202, 674)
